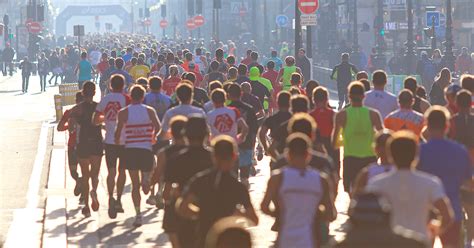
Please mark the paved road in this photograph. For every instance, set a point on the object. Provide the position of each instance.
(21, 120)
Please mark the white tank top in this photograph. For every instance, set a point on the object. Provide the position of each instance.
(198, 61)
(139, 129)
(300, 193)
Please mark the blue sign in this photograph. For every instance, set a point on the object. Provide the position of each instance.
(429, 18)
(282, 20)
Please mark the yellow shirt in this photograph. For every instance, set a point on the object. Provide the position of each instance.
(139, 71)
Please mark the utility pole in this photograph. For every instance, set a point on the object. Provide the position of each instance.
(266, 28)
(132, 16)
(449, 43)
(355, 55)
(433, 33)
(380, 56)
(298, 35)
(410, 56)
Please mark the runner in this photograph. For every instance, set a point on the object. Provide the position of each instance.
(343, 73)
(119, 63)
(26, 67)
(260, 90)
(163, 163)
(179, 171)
(405, 118)
(418, 187)
(276, 61)
(228, 195)
(200, 95)
(435, 155)
(209, 105)
(247, 147)
(298, 191)
(377, 168)
(242, 74)
(63, 125)
(155, 98)
(420, 105)
(379, 99)
(139, 124)
(43, 70)
(284, 75)
(252, 100)
(358, 124)
(139, 70)
(214, 74)
(467, 83)
(254, 58)
(450, 96)
(247, 60)
(84, 69)
(102, 68)
(170, 83)
(184, 93)
(224, 120)
(89, 145)
(107, 111)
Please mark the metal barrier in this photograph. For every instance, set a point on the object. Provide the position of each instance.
(68, 93)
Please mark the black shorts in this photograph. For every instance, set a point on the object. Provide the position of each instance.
(72, 156)
(138, 159)
(352, 167)
(112, 153)
(87, 149)
(170, 218)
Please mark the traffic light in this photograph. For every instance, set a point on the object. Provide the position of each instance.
(198, 6)
(147, 12)
(382, 32)
(163, 10)
(40, 13)
(190, 7)
(217, 4)
(140, 13)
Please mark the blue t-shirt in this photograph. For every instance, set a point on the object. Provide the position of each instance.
(128, 78)
(127, 57)
(278, 63)
(450, 162)
(159, 101)
(85, 70)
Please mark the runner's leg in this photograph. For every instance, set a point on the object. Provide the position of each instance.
(95, 169)
(84, 163)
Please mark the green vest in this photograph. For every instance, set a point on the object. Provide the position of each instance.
(287, 71)
(358, 133)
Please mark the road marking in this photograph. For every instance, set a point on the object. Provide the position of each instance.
(25, 220)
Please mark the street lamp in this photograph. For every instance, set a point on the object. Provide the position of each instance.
(449, 58)
(410, 56)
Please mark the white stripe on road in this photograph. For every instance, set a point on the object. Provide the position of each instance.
(25, 220)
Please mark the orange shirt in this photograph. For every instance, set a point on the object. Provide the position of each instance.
(404, 119)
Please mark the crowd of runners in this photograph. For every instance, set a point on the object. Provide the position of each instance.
(188, 129)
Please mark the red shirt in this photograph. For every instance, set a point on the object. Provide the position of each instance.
(272, 76)
(246, 61)
(71, 142)
(102, 66)
(324, 117)
(169, 85)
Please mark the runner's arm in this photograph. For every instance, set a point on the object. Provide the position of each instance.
(360, 182)
(97, 118)
(339, 120)
(330, 212)
(446, 212)
(271, 195)
(244, 130)
(376, 120)
(121, 118)
(160, 166)
(154, 119)
(63, 123)
(280, 74)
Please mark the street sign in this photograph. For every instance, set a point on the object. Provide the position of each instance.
(28, 21)
(34, 27)
(163, 23)
(281, 20)
(429, 18)
(308, 6)
(199, 20)
(190, 24)
(79, 30)
(239, 8)
(147, 22)
(308, 20)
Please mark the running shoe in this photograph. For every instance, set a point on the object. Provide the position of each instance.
(151, 200)
(259, 153)
(138, 221)
(95, 201)
(112, 211)
(160, 203)
(77, 188)
(118, 207)
(86, 212)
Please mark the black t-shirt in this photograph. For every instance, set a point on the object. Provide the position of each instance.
(273, 122)
(88, 132)
(242, 79)
(171, 152)
(187, 163)
(252, 101)
(200, 95)
(212, 76)
(217, 194)
(280, 134)
(319, 161)
(249, 115)
(259, 90)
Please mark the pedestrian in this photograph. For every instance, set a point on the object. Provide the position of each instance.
(464, 61)
(229, 196)
(405, 118)
(106, 112)
(89, 146)
(450, 162)
(72, 160)
(343, 73)
(467, 83)
(302, 62)
(137, 125)
(379, 99)
(26, 67)
(56, 70)
(420, 104)
(298, 192)
(247, 147)
(84, 70)
(102, 68)
(358, 124)
(43, 70)
(7, 57)
(418, 187)
(437, 88)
